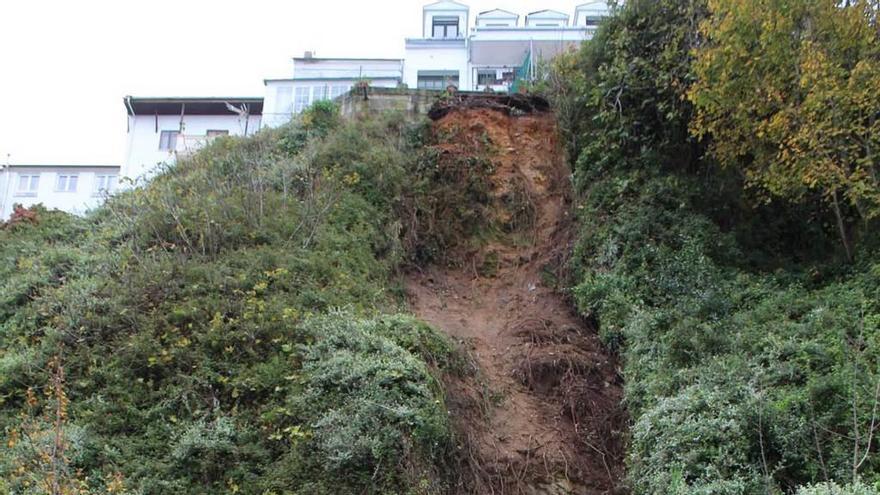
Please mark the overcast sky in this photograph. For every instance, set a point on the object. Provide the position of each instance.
(66, 64)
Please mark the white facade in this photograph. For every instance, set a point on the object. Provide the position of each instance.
(589, 14)
(497, 18)
(315, 79)
(547, 18)
(71, 188)
(161, 129)
(496, 50)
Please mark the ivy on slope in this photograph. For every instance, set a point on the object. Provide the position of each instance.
(751, 351)
(188, 336)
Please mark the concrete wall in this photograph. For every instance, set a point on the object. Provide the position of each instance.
(143, 153)
(86, 195)
(409, 101)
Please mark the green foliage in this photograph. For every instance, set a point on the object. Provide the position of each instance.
(447, 204)
(195, 319)
(832, 488)
(745, 372)
(787, 91)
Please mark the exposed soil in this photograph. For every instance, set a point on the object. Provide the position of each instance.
(542, 413)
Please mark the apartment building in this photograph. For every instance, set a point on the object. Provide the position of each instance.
(161, 129)
(497, 50)
(71, 188)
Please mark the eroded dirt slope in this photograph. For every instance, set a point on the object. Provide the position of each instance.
(542, 415)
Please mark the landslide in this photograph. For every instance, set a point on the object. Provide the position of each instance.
(541, 413)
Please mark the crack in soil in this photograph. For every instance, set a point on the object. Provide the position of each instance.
(542, 415)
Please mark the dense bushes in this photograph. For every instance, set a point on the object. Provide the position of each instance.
(752, 350)
(192, 330)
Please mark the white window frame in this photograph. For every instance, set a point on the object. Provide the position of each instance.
(66, 182)
(168, 144)
(32, 185)
(487, 72)
(338, 90)
(320, 92)
(284, 100)
(302, 98)
(105, 184)
(445, 23)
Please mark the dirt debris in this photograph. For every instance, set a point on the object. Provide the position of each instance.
(542, 415)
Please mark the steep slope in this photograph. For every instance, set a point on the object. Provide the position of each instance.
(542, 415)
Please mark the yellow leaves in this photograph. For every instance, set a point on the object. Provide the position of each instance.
(351, 179)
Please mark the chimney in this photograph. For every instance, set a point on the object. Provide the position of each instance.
(308, 55)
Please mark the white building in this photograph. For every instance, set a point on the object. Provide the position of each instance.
(314, 79)
(490, 55)
(161, 129)
(497, 50)
(72, 188)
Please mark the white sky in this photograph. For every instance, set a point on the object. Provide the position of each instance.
(66, 64)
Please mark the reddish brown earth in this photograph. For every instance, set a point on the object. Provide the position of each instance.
(542, 413)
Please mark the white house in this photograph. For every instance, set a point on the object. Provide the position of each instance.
(71, 188)
(316, 79)
(496, 51)
(439, 58)
(160, 129)
(590, 14)
(490, 55)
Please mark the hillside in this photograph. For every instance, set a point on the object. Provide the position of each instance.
(661, 278)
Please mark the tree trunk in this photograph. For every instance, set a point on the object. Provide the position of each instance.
(841, 227)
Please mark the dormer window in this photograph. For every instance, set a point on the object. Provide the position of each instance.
(445, 27)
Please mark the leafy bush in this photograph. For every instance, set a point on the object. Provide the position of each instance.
(194, 320)
(750, 352)
(832, 488)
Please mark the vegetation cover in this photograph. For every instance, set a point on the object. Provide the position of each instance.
(231, 327)
(726, 165)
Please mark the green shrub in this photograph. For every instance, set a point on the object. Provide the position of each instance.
(194, 318)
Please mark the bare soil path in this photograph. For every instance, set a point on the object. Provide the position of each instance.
(543, 414)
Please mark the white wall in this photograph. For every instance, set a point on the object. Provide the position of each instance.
(496, 20)
(452, 11)
(437, 56)
(322, 68)
(143, 153)
(85, 197)
(592, 11)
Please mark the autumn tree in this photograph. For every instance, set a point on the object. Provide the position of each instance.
(787, 90)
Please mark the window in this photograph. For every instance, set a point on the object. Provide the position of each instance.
(320, 93)
(445, 27)
(437, 81)
(284, 100)
(168, 140)
(215, 133)
(27, 184)
(105, 184)
(486, 77)
(66, 183)
(337, 91)
(301, 100)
